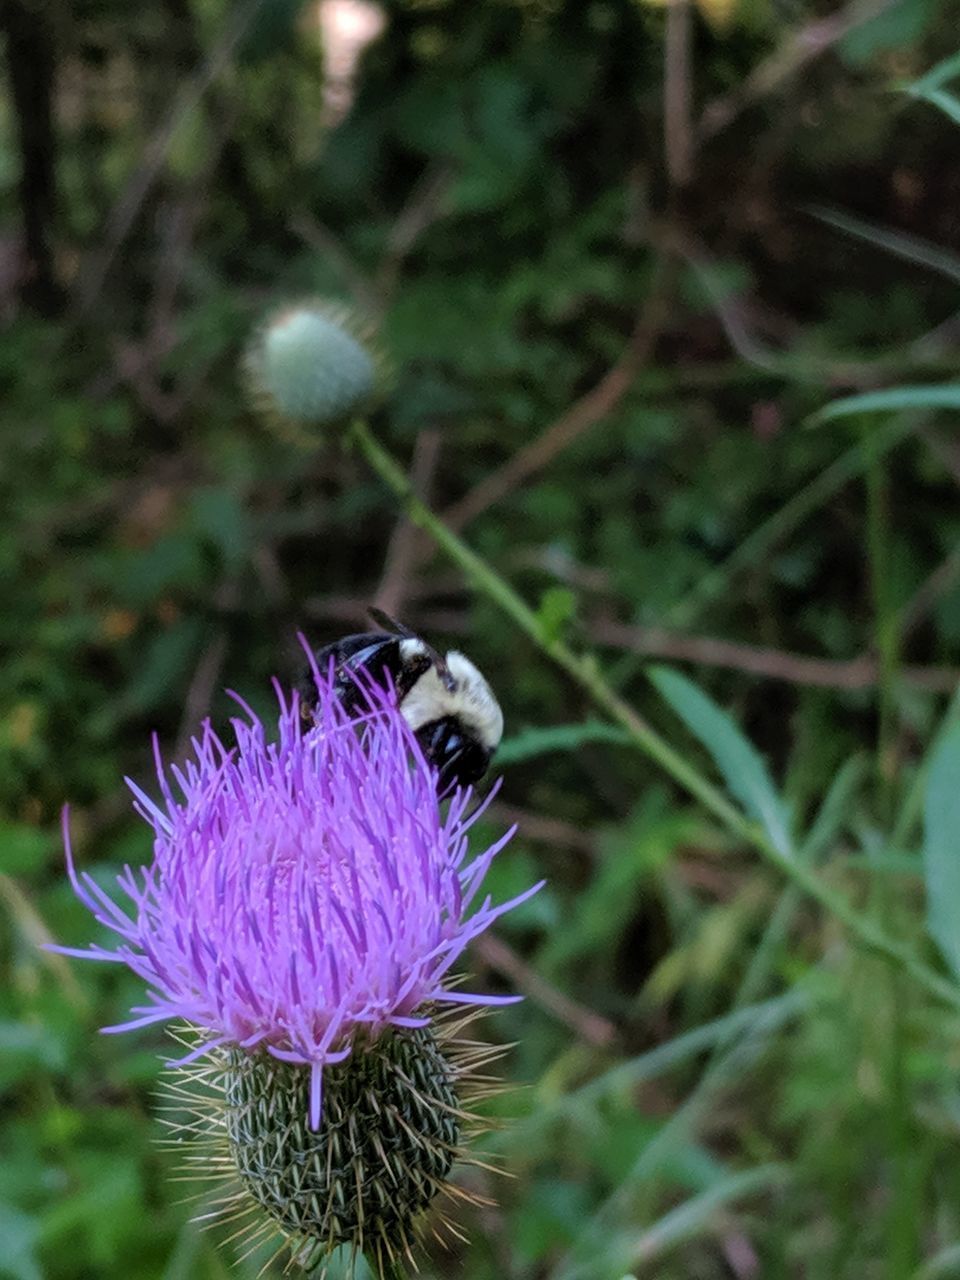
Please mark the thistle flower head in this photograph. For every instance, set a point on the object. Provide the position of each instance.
(305, 893)
(306, 901)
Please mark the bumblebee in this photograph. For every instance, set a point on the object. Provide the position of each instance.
(444, 699)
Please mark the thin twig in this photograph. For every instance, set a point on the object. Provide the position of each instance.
(861, 672)
(424, 207)
(200, 691)
(401, 554)
(598, 403)
(796, 51)
(677, 97)
(324, 242)
(125, 211)
(589, 1026)
(539, 828)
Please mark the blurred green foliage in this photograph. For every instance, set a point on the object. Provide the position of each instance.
(717, 1082)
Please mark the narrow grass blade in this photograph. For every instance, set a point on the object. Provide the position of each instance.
(742, 766)
(531, 743)
(763, 1018)
(929, 87)
(836, 807)
(776, 528)
(893, 400)
(901, 245)
(622, 1249)
(699, 1214)
(937, 76)
(941, 847)
(946, 102)
(944, 1265)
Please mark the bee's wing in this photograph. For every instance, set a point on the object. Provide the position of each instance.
(394, 627)
(398, 629)
(351, 651)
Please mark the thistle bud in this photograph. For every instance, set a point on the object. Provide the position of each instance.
(311, 366)
(388, 1139)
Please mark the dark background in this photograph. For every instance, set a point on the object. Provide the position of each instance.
(618, 255)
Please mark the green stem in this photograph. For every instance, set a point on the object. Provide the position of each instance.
(793, 513)
(886, 621)
(902, 1226)
(912, 805)
(584, 670)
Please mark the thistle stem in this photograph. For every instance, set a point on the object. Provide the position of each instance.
(584, 671)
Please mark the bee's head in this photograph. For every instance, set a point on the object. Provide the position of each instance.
(458, 757)
(456, 718)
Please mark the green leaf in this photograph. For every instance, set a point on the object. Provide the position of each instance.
(743, 768)
(556, 610)
(219, 516)
(19, 1234)
(165, 665)
(530, 743)
(946, 102)
(23, 848)
(895, 399)
(895, 27)
(937, 76)
(941, 847)
(910, 248)
(699, 1214)
(929, 88)
(836, 807)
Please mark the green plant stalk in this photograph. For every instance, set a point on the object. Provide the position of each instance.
(912, 805)
(885, 620)
(585, 672)
(761, 541)
(664, 1145)
(904, 1244)
(790, 516)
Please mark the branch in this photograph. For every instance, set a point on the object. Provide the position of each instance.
(401, 556)
(138, 187)
(424, 206)
(597, 404)
(796, 51)
(773, 664)
(677, 94)
(589, 1026)
(31, 70)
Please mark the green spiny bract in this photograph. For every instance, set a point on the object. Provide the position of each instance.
(311, 366)
(384, 1148)
(397, 1116)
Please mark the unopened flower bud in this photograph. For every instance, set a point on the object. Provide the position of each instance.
(311, 366)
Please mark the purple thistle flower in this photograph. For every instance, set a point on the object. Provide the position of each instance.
(306, 893)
